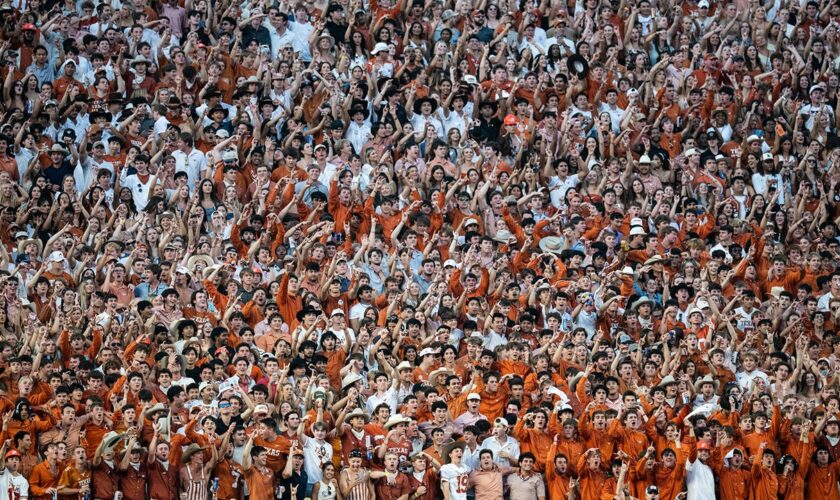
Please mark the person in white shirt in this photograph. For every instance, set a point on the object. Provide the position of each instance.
(824, 303)
(385, 393)
(421, 114)
(88, 167)
(454, 475)
(12, 482)
(699, 479)
(301, 27)
(749, 372)
(505, 448)
(771, 178)
(455, 113)
(359, 130)
(141, 182)
(316, 450)
(189, 159)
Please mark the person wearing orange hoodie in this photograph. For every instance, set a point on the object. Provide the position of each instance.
(590, 475)
(733, 476)
(625, 430)
(765, 483)
(532, 433)
(669, 474)
(558, 478)
(822, 476)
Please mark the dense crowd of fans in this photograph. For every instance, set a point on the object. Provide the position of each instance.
(420, 250)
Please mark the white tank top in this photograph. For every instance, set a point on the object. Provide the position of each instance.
(326, 491)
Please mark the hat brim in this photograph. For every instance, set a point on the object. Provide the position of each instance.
(418, 104)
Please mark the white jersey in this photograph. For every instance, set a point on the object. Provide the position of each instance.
(13, 486)
(458, 477)
(699, 480)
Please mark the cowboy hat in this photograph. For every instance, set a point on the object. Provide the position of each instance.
(654, 260)
(195, 259)
(359, 108)
(568, 253)
(405, 365)
(155, 409)
(350, 379)
(328, 37)
(207, 271)
(30, 241)
(251, 80)
(137, 447)
(423, 100)
(708, 379)
(139, 59)
(457, 445)
(110, 440)
(99, 114)
(306, 310)
(577, 65)
(437, 373)
(189, 451)
(357, 412)
(682, 286)
(219, 108)
(395, 420)
(503, 236)
(639, 303)
(551, 244)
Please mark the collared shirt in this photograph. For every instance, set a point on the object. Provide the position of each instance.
(510, 446)
(45, 73)
(358, 135)
(70, 436)
(278, 40)
(531, 486)
(193, 163)
(466, 419)
(144, 290)
(489, 484)
(419, 122)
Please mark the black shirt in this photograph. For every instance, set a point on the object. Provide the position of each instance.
(299, 479)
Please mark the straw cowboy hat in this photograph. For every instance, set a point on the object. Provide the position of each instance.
(357, 412)
(195, 259)
(395, 420)
(31, 241)
(110, 440)
(551, 244)
(189, 451)
(708, 379)
(155, 409)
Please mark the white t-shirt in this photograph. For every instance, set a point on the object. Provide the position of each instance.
(558, 188)
(389, 397)
(315, 455)
(15, 482)
(458, 477)
(140, 190)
